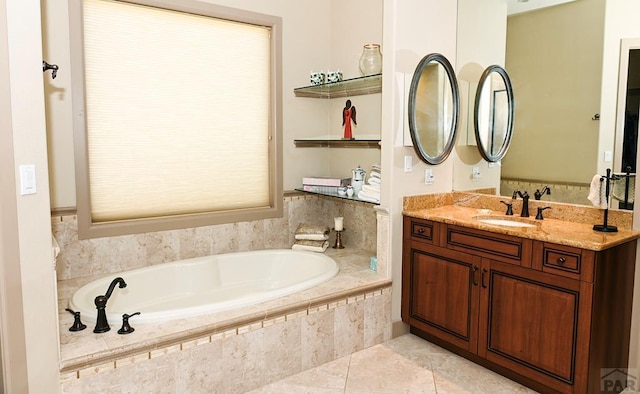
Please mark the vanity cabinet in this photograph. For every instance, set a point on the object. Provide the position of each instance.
(547, 315)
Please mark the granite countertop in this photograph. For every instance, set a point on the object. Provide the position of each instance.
(561, 229)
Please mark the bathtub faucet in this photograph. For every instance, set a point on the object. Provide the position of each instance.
(102, 325)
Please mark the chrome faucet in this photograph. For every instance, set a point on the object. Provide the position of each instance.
(525, 202)
(102, 325)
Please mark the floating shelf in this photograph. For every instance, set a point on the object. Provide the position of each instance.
(349, 87)
(337, 143)
(353, 198)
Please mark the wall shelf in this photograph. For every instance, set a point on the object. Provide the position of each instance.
(337, 143)
(349, 87)
(353, 198)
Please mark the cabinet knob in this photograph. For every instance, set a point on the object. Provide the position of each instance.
(561, 260)
(420, 230)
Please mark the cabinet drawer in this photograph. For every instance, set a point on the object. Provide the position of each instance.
(563, 260)
(499, 247)
(421, 230)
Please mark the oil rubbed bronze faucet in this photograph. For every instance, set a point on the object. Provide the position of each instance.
(102, 325)
(538, 194)
(525, 202)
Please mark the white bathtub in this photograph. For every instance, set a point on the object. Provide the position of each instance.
(205, 284)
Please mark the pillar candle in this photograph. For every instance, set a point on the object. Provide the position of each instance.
(338, 223)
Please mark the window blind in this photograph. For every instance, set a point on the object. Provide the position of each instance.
(177, 112)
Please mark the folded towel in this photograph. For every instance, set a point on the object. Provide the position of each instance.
(312, 246)
(368, 197)
(304, 228)
(373, 181)
(597, 192)
(312, 237)
(375, 174)
(371, 189)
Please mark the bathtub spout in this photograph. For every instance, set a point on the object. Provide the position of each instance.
(102, 325)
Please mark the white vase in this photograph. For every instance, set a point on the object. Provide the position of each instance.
(371, 60)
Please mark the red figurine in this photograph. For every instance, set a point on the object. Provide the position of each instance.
(348, 114)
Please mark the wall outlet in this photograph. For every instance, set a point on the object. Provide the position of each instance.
(429, 178)
(475, 173)
(608, 156)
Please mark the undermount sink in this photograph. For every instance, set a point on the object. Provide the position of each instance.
(508, 222)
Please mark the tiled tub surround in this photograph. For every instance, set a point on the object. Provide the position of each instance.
(90, 257)
(232, 351)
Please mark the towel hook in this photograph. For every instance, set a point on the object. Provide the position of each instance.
(54, 67)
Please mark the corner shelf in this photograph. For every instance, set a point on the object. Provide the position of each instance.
(337, 143)
(349, 87)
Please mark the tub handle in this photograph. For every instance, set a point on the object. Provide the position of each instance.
(77, 324)
(126, 327)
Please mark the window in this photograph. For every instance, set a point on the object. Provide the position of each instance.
(177, 116)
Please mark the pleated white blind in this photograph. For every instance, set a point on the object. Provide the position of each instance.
(177, 110)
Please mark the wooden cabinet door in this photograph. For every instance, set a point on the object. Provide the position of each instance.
(444, 294)
(535, 324)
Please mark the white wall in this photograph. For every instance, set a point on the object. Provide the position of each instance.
(29, 327)
(481, 42)
(412, 29)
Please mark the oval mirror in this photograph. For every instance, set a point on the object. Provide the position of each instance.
(433, 108)
(493, 113)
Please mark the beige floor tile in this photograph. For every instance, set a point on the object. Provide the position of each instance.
(327, 378)
(406, 364)
(381, 370)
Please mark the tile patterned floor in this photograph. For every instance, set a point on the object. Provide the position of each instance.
(407, 364)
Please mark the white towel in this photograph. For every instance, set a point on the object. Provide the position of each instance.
(373, 181)
(371, 189)
(55, 248)
(597, 192)
(312, 246)
(312, 237)
(368, 197)
(375, 174)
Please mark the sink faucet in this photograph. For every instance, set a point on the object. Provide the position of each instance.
(538, 194)
(525, 202)
(102, 325)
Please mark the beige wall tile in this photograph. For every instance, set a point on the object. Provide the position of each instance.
(349, 329)
(318, 337)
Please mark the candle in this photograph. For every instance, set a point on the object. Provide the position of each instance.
(338, 223)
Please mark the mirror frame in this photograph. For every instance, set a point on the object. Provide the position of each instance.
(411, 110)
(510, 101)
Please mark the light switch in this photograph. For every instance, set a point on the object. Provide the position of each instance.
(608, 156)
(407, 164)
(27, 179)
